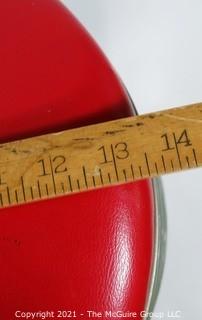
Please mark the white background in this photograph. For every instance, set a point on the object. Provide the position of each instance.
(156, 47)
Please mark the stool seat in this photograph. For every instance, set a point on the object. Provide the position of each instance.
(88, 251)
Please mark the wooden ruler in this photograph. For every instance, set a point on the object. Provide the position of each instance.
(100, 155)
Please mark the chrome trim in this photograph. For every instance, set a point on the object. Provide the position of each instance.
(160, 225)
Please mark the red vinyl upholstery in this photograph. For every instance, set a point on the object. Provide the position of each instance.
(90, 251)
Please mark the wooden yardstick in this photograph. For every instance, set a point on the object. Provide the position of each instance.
(104, 154)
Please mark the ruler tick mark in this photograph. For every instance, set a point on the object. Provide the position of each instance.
(85, 178)
(157, 171)
(39, 188)
(177, 150)
(132, 170)
(8, 194)
(101, 177)
(147, 163)
(16, 196)
(187, 159)
(109, 177)
(1, 199)
(62, 187)
(163, 161)
(47, 192)
(114, 161)
(124, 173)
(195, 158)
(172, 165)
(94, 181)
(140, 169)
(78, 184)
(32, 193)
(70, 183)
(23, 188)
(52, 174)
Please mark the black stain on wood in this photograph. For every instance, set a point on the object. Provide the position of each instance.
(84, 139)
(113, 132)
(128, 125)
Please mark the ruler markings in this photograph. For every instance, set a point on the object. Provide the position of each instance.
(23, 188)
(78, 184)
(16, 196)
(8, 195)
(147, 163)
(156, 167)
(101, 177)
(94, 181)
(39, 188)
(124, 173)
(187, 159)
(62, 187)
(114, 161)
(132, 170)
(177, 150)
(1, 199)
(163, 161)
(47, 192)
(109, 178)
(172, 165)
(53, 176)
(32, 193)
(195, 157)
(70, 183)
(73, 149)
(140, 170)
(85, 177)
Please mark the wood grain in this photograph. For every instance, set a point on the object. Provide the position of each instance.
(101, 155)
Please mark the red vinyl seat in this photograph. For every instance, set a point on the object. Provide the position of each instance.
(88, 251)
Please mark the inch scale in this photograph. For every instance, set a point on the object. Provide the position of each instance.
(101, 155)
